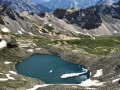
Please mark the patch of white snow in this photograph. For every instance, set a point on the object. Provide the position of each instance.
(0, 36)
(4, 29)
(115, 80)
(3, 44)
(38, 48)
(30, 33)
(38, 86)
(98, 73)
(9, 77)
(30, 50)
(12, 72)
(90, 82)
(71, 75)
(3, 79)
(115, 31)
(20, 32)
(6, 62)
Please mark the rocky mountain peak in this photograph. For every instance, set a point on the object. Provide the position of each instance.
(4, 5)
(104, 2)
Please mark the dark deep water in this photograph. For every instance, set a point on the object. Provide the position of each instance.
(50, 68)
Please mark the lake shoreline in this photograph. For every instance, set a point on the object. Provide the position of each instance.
(96, 64)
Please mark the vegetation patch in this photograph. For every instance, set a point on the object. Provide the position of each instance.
(102, 45)
(49, 28)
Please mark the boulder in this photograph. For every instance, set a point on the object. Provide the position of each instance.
(11, 42)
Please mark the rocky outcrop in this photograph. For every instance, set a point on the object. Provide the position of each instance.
(11, 42)
(31, 13)
(59, 13)
(41, 15)
(1, 21)
(87, 18)
(5, 10)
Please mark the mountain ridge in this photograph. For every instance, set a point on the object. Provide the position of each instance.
(54, 4)
(95, 20)
(25, 5)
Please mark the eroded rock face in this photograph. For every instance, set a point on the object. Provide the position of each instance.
(85, 18)
(31, 13)
(1, 21)
(59, 13)
(42, 15)
(89, 18)
(6, 11)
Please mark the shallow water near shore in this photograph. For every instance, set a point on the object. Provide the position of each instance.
(52, 70)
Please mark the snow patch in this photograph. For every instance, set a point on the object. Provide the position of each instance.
(24, 79)
(0, 36)
(50, 25)
(72, 75)
(30, 33)
(91, 88)
(115, 80)
(90, 82)
(4, 29)
(9, 77)
(38, 86)
(98, 73)
(3, 44)
(30, 50)
(40, 32)
(12, 72)
(79, 32)
(85, 70)
(20, 32)
(6, 62)
(3, 79)
(38, 48)
(115, 31)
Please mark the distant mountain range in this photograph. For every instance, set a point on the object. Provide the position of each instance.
(95, 20)
(25, 5)
(54, 4)
(37, 6)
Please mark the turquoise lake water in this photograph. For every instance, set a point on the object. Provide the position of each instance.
(50, 68)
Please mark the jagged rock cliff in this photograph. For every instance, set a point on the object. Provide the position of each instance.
(11, 21)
